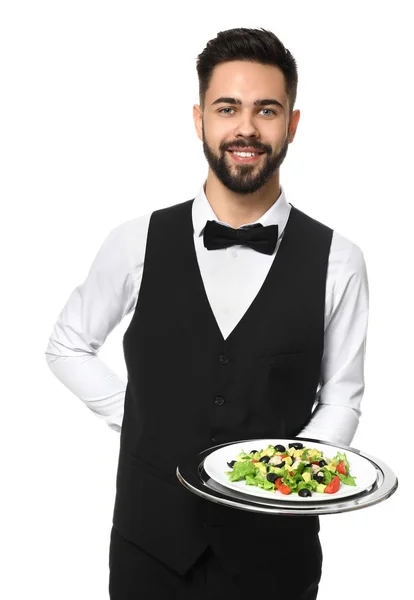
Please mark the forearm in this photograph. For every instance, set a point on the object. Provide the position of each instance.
(91, 312)
(332, 423)
(93, 382)
(336, 416)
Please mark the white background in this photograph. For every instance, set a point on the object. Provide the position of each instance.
(96, 128)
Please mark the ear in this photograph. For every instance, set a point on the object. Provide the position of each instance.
(198, 120)
(293, 124)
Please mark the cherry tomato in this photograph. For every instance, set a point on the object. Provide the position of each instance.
(341, 468)
(284, 489)
(333, 486)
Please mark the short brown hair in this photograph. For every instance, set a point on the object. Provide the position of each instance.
(256, 45)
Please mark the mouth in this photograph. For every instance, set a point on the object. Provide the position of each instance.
(245, 156)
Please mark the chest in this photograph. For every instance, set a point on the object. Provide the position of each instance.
(232, 278)
(209, 302)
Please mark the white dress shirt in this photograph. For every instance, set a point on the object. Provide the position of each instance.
(232, 278)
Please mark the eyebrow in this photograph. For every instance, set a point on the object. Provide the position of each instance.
(260, 102)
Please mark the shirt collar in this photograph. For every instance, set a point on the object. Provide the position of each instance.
(202, 212)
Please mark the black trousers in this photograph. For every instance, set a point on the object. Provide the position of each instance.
(294, 573)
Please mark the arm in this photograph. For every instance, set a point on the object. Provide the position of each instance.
(92, 311)
(337, 412)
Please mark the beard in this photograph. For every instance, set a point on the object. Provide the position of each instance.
(244, 179)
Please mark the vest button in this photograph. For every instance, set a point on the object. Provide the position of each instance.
(223, 359)
(219, 400)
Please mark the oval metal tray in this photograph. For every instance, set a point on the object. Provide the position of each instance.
(192, 475)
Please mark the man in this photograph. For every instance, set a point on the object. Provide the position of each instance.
(246, 311)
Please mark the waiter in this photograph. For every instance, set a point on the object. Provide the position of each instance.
(249, 321)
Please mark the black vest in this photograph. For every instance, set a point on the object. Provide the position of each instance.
(189, 389)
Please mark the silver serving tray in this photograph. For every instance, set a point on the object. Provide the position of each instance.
(192, 475)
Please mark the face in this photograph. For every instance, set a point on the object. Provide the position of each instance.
(246, 110)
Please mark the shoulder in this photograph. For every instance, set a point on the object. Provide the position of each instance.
(179, 210)
(132, 228)
(129, 238)
(310, 228)
(346, 256)
(344, 253)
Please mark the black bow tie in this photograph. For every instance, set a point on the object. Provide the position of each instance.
(262, 239)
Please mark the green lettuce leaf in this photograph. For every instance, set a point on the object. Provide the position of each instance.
(347, 479)
(263, 482)
(240, 470)
(327, 476)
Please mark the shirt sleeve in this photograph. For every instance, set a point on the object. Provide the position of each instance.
(338, 400)
(92, 311)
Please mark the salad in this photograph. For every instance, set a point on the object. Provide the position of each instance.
(292, 470)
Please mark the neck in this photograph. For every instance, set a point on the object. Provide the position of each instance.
(238, 209)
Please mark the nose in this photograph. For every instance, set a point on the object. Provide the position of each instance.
(246, 127)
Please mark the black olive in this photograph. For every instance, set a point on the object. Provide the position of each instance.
(232, 463)
(296, 446)
(280, 465)
(322, 463)
(264, 459)
(308, 465)
(271, 477)
(280, 448)
(304, 493)
(253, 451)
(318, 477)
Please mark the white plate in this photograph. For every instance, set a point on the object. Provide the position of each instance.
(216, 467)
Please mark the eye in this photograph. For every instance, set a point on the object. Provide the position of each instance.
(270, 111)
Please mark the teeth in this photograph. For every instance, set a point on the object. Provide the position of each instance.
(246, 154)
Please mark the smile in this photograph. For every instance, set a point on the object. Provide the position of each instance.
(244, 157)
